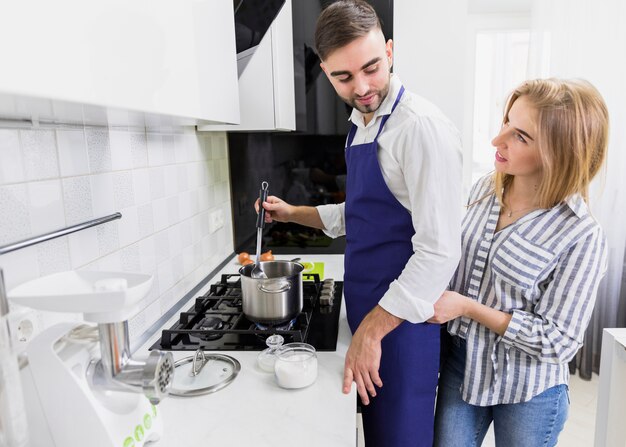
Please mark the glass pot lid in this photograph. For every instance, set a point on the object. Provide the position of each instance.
(203, 373)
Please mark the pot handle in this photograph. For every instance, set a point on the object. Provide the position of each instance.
(283, 288)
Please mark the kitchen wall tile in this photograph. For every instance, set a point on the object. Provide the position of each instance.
(222, 170)
(155, 149)
(170, 177)
(194, 202)
(109, 263)
(123, 192)
(157, 183)
(176, 238)
(162, 246)
(128, 226)
(222, 193)
(204, 173)
(185, 204)
(40, 154)
(193, 175)
(121, 155)
(15, 220)
(83, 247)
(167, 300)
(183, 181)
(139, 149)
(108, 237)
(164, 181)
(46, 206)
(160, 214)
(211, 176)
(137, 325)
(195, 150)
(98, 149)
(187, 260)
(102, 194)
(77, 199)
(206, 147)
(53, 256)
(169, 150)
(185, 233)
(181, 144)
(131, 259)
(219, 146)
(145, 220)
(147, 254)
(19, 266)
(173, 210)
(72, 148)
(141, 186)
(166, 274)
(11, 163)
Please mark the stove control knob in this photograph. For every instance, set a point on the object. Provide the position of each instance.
(328, 288)
(326, 298)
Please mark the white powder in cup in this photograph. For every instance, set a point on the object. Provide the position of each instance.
(296, 371)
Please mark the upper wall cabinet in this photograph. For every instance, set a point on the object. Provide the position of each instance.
(67, 60)
(266, 84)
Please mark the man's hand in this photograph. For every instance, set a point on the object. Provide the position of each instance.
(449, 306)
(276, 209)
(363, 356)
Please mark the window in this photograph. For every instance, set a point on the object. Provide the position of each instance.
(501, 60)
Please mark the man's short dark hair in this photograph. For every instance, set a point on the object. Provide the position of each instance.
(342, 22)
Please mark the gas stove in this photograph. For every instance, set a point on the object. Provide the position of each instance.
(216, 322)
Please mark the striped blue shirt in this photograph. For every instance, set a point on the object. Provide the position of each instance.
(544, 269)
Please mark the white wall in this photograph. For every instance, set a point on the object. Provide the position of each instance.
(435, 53)
(165, 182)
(429, 41)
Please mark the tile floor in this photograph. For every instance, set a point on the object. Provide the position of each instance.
(580, 425)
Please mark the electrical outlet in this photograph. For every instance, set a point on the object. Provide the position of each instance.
(24, 324)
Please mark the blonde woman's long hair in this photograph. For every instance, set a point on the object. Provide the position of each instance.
(573, 132)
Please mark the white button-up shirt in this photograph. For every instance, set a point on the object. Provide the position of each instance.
(419, 152)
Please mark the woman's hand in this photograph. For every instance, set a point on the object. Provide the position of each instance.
(449, 306)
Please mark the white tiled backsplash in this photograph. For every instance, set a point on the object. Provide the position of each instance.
(166, 184)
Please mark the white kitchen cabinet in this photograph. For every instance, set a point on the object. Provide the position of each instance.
(266, 85)
(69, 60)
(610, 428)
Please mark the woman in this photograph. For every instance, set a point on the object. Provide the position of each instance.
(532, 258)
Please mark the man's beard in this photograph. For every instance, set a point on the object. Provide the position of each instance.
(368, 108)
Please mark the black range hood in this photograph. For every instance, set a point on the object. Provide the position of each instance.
(252, 20)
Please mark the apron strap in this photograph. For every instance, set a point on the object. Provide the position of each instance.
(353, 129)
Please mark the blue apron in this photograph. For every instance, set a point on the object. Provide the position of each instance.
(378, 246)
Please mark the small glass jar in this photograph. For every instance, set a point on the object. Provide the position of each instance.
(296, 365)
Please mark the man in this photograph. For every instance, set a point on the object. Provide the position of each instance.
(401, 219)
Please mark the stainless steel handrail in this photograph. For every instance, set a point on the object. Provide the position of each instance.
(57, 233)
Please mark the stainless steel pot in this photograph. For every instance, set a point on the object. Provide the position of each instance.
(275, 299)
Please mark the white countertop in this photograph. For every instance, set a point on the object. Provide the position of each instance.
(253, 410)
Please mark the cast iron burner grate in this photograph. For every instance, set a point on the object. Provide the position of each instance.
(216, 322)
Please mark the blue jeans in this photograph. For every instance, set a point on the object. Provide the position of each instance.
(536, 422)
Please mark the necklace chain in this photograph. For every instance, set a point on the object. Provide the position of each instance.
(510, 213)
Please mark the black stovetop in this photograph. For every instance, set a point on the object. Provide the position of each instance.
(216, 322)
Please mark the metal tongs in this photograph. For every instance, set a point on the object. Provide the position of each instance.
(257, 270)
